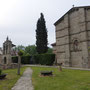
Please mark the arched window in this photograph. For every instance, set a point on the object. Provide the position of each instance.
(75, 45)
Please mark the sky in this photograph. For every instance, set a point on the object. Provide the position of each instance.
(18, 18)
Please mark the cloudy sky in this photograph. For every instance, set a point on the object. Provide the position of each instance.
(18, 18)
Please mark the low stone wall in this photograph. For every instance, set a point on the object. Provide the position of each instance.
(8, 66)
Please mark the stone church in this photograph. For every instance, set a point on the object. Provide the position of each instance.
(73, 38)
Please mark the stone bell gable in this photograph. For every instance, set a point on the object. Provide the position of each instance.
(7, 48)
(73, 37)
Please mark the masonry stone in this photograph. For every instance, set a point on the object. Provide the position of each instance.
(73, 38)
(6, 55)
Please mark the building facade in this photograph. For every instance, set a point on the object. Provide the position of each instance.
(73, 38)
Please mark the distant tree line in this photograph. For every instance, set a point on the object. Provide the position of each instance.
(29, 50)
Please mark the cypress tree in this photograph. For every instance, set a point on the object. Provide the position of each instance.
(41, 35)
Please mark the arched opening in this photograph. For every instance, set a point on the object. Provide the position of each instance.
(5, 60)
(75, 45)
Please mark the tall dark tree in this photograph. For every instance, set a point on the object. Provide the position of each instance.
(41, 35)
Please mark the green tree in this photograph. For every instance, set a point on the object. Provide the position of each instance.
(50, 50)
(20, 47)
(31, 49)
(41, 35)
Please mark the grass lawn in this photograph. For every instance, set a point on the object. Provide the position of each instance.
(11, 78)
(65, 80)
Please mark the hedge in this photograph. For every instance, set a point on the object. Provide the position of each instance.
(24, 60)
(43, 59)
(15, 59)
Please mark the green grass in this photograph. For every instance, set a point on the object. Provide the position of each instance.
(65, 80)
(10, 79)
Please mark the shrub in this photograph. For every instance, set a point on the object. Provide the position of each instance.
(15, 59)
(24, 60)
(44, 59)
(0, 71)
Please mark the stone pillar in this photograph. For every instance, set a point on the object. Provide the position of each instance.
(67, 40)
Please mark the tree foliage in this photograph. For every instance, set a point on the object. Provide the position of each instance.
(20, 47)
(31, 49)
(27, 50)
(20, 53)
(41, 35)
(50, 50)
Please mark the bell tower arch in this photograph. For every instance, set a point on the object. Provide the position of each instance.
(7, 47)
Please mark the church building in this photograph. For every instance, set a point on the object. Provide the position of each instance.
(73, 38)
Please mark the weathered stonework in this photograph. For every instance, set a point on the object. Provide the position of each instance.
(7, 48)
(73, 38)
(5, 56)
(9, 66)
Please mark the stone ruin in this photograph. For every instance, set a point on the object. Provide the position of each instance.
(6, 55)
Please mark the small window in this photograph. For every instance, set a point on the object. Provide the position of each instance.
(75, 45)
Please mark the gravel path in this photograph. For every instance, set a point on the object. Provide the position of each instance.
(25, 82)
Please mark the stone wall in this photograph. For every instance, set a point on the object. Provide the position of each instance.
(9, 66)
(72, 38)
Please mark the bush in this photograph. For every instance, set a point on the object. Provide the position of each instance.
(15, 59)
(0, 71)
(44, 59)
(24, 60)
